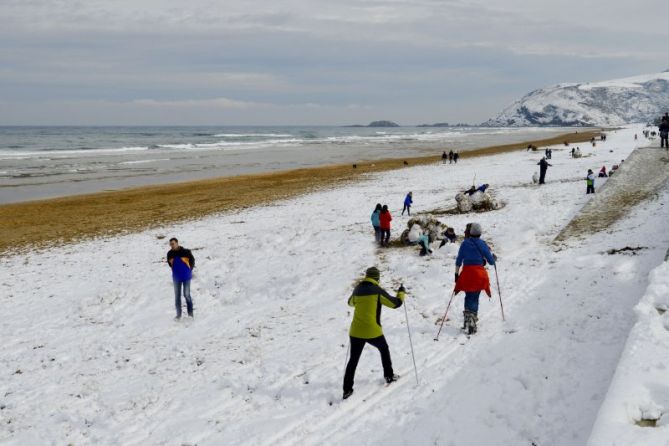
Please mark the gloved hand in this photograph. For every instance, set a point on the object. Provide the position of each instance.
(456, 276)
(401, 289)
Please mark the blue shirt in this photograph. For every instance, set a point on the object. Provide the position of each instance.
(472, 252)
(181, 272)
(375, 218)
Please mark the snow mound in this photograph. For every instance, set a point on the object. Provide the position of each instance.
(636, 408)
(479, 202)
(422, 225)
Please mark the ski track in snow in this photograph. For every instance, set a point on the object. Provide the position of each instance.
(91, 354)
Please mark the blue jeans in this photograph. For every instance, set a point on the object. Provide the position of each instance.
(472, 301)
(177, 297)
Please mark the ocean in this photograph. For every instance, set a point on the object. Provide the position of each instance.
(44, 162)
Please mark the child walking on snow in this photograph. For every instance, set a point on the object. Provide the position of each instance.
(384, 221)
(376, 223)
(473, 278)
(408, 201)
(590, 182)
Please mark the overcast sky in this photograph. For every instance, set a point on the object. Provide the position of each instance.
(245, 62)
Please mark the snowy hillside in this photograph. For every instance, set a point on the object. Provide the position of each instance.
(92, 356)
(616, 102)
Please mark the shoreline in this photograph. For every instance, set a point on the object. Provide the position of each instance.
(42, 223)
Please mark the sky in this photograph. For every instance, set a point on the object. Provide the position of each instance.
(309, 62)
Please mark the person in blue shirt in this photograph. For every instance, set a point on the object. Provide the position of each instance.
(182, 262)
(376, 223)
(473, 255)
(408, 201)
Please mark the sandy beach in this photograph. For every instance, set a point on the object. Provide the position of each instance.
(62, 220)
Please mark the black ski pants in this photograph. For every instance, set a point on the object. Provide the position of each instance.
(542, 176)
(664, 142)
(385, 236)
(590, 189)
(357, 344)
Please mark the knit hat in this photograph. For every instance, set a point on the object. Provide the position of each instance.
(373, 273)
(475, 230)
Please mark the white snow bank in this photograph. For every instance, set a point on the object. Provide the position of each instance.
(640, 388)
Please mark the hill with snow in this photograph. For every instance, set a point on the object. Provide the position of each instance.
(615, 102)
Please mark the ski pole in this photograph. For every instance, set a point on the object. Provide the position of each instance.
(413, 357)
(499, 290)
(348, 348)
(436, 338)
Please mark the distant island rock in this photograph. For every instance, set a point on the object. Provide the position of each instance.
(376, 124)
(438, 124)
(383, 124)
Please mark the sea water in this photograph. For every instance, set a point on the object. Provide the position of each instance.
(43, 162)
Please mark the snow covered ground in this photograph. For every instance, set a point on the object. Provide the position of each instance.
(640, 391)
(91, 354)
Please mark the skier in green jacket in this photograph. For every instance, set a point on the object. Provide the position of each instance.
(367, 298)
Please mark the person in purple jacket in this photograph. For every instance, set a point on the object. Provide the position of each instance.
(182, 262)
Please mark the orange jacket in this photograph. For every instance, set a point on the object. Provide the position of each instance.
(473, 278)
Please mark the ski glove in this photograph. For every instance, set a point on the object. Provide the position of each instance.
(456, 276)
(401, 289)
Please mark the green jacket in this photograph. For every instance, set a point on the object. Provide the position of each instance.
(367, 299)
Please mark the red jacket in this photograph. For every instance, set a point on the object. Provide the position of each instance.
(385, 218)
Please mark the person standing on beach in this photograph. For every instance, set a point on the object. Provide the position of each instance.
(450, 157)
(664, 131)
(473, 278)
(367, 299)
(384, 219)
(590, 182)
(376, 223)
(456, 155)
(182, 262)
(408, 201)
(543, 167)
(444, 157)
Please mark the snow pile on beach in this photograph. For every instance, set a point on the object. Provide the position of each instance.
(636, 408)
(616, 102)
(91, 354)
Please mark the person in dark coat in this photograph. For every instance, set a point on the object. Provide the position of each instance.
(182, 262)
(444, 157)
(543, 167)
(664, 132)
(450, 157)
(456, 156)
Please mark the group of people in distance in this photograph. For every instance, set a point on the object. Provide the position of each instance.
(451, 157)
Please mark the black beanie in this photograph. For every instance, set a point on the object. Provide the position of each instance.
(373, 273)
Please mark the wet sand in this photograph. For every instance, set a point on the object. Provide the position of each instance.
(58, 221)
